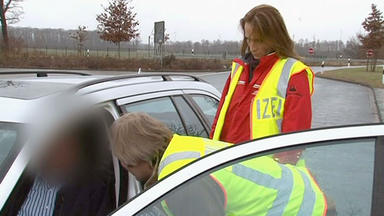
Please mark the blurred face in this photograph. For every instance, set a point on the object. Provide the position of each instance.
(141, 170)
(256, 46)
(61, 160)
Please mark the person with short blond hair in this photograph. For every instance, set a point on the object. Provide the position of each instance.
(139, 138)
(147, 148)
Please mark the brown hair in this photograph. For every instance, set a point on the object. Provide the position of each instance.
(139, 137)
(269, 27)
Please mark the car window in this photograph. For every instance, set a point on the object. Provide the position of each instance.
(208, 106)
(340, 172)
(9, 135)
(192, 123)
(159, 108)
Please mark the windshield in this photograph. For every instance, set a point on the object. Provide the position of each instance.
(9, 145)
(29, 90)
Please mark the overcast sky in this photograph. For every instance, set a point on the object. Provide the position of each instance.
(208, 19)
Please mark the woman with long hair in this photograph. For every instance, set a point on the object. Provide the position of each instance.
(269, 89)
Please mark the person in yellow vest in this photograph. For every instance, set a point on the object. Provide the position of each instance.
(269, 89)
(259, 186)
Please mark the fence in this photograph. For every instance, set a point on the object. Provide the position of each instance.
(127, 53)
(124, 53)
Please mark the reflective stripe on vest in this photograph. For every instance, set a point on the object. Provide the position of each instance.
(178, 156)
(237, 69)
(307, 207)
(267, 108)
(284, 77)
(283, 186)
(270, 99)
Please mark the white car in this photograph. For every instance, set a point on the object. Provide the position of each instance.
(29, 99)
(347, 162)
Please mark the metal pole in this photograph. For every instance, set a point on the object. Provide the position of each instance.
(161, 55)
(383, 75)
(149, 46)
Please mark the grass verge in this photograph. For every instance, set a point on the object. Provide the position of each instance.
(170, 63)
(356, 75)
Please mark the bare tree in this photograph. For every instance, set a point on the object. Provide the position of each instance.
(80, 36)
(118, 23)
(353, 48)
(10, 12)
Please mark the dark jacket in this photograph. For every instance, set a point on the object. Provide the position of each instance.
(95, 197)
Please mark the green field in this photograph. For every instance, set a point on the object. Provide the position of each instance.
(357, 75)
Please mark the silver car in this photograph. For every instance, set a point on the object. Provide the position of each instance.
(346, 162)
(43, 98)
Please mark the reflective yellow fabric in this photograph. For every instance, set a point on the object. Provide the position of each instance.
(259, 186)
(267, 109)
(237, 69)
(268, 105)
(184, 149)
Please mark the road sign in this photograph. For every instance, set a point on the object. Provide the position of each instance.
(159, 32)
(311, 51)
(370, 52)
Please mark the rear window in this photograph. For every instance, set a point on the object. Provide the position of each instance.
(29, 90)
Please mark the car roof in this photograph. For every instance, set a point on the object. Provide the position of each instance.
(23, 88)
(49, 82)
(28, 87)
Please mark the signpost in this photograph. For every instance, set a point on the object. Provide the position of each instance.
(159, 39)
(159, 32)
(369, 52)
(383, 75)
(369, 55)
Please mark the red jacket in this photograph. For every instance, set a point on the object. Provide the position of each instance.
(297, 110)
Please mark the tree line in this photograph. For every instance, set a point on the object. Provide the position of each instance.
(117, 24)
(83, 39)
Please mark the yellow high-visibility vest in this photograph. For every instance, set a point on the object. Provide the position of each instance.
(259, 186)
(267, 108)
